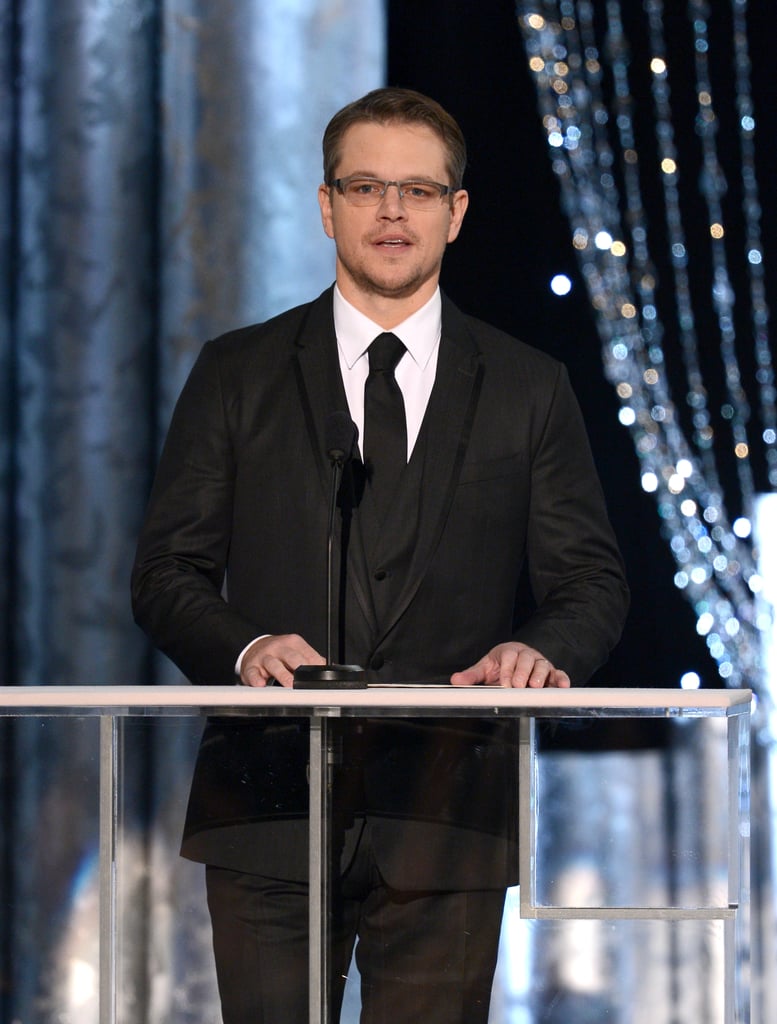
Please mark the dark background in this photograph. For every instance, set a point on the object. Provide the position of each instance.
(471, 58)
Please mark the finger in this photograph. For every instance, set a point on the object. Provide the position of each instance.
(253, 676)
(511, 670)
(526, 669)
(282, 666)
(539, 673)
(559, 679)
(471, 676)
(265, 670)
(280, 671)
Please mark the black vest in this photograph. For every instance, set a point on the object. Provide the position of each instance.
(387, 537)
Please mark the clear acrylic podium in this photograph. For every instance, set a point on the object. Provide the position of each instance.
(539, 893)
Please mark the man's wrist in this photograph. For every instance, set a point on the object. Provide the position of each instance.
(239, 662)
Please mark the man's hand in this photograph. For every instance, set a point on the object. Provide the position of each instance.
(276, 657)
(512, 664)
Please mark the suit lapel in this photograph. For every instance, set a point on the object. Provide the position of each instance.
(318, 377)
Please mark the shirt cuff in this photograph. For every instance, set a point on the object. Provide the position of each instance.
(239, 662)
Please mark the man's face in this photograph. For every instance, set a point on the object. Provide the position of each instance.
(389, 251)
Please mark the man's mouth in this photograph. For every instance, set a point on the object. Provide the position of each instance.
(392, 242)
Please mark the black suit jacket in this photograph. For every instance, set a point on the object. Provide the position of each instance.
(234, 545)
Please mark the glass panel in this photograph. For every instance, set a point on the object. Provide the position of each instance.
(640, 828)
(609, 972)
(50, 879)
(165, 968)
(628, 827)
(600, 972)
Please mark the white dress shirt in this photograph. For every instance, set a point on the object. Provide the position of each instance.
(415, 372)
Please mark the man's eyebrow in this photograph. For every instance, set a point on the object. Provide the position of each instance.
(379, 177)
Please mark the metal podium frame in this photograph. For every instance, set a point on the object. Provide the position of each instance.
(112, 703)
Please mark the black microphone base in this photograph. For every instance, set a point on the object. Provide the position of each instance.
(329, 677)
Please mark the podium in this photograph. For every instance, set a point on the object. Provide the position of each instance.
(529, 707)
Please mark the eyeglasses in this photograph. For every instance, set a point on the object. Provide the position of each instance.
(418, 195)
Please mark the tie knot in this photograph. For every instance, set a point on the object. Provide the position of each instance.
(385, 352)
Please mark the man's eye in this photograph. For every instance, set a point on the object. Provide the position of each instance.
(365, 188)
(419, 190)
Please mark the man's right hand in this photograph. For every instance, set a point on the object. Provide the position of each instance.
(276, 657)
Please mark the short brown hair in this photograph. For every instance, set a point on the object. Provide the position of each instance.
(403, 106)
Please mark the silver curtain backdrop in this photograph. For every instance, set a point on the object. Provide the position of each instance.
(159, 162)
(158, 176)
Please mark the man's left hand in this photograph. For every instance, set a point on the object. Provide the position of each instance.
(512, 664)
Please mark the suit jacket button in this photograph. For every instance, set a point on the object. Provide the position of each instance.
(376, 661)
(379, 575)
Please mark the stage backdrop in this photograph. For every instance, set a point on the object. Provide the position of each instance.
(158, 179)
(159, 171)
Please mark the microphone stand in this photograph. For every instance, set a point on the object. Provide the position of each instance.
(325, 746)
(332, 676)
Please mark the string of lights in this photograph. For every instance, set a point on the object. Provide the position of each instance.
(751, 207)
(587, 106)
(712, 187)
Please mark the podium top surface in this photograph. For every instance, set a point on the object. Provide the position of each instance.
(373, 701)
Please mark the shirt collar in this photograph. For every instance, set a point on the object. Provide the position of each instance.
(420, 333)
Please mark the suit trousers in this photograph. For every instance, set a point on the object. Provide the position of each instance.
(420, 955)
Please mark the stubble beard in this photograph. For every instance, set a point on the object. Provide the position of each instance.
(369, 283)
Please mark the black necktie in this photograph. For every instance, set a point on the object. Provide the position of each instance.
(385, 430)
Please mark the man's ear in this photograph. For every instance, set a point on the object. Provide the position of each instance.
(325, 204)
(459, 205)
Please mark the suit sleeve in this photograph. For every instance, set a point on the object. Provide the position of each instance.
(575, 568)
(179, 569)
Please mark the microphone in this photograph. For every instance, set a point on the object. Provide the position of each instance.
(340, 436)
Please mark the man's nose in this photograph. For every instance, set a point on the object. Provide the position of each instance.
(391, 204)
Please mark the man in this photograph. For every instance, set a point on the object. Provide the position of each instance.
(495, 474)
